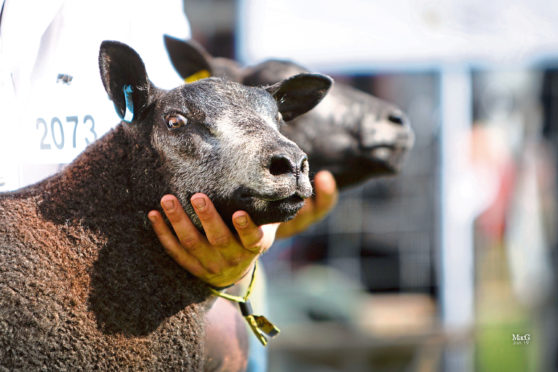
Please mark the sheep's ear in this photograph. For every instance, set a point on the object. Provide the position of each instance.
(190, 60)
(125, 79)
(300, 93)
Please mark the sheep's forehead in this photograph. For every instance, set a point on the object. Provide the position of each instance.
(217, 98)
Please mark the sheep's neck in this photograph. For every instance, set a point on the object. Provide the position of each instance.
(114, 178)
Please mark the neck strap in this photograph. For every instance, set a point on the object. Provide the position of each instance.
(260, 326)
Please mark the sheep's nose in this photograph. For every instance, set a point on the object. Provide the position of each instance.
(284, 164)
(397, 117)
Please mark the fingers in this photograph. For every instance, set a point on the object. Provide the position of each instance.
(326, 193)
(250, 235)
(216, 231)
(193, 251)
(187, 233)
(225, 256)
(172, 246)
(219, 257)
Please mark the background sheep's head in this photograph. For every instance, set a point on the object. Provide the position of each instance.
(218, 137)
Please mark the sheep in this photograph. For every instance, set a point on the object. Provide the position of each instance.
(353, 134)
(84, 282)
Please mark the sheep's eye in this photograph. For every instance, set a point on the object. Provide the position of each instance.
(175, 121)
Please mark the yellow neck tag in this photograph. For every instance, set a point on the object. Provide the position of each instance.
(202, 74)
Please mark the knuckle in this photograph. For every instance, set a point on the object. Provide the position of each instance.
(197, 272)
(235, 260)
(190, 243)
(222, 240)
(213, 269)
(254, 239)
(254, 248)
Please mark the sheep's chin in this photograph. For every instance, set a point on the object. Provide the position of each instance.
(260, 211)
(263, 211)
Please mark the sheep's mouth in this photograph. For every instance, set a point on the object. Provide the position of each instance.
(277, 199)
(388, 158)
(268, 208)
(381, 152)
(293, 201)
(274, 200)
(376, 161)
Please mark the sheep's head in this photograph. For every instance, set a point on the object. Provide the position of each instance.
(354, 135)
(219, 137)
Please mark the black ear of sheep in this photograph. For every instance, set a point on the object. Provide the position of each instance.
(300, 93)
(187, 57)
(124, 78)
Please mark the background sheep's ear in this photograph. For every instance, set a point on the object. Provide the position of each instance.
(188, 57)
(299, 94)
(125, 79)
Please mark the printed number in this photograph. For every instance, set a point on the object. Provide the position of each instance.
(73, 119)
(57, 131)
(89, 118)
(44, 146)
(59, 144)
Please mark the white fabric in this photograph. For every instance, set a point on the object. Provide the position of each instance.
(44, 120)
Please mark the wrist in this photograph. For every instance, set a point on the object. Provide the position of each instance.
(241, 281)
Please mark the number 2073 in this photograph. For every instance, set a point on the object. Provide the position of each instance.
(57, 133)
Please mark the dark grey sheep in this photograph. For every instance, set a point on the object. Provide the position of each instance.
(84, 282)
(354, 135)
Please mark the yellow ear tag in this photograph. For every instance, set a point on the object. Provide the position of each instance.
(201, 74)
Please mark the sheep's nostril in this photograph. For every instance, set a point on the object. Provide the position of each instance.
(396, 118)
(281, 164)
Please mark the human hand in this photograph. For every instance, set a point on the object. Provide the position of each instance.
(219, 258)
(314, 209)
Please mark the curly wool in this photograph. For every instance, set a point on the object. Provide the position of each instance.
(84, 283)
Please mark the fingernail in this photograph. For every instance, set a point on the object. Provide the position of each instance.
(241, 221)
(151, 217)
(168, 204)
(199, 203)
